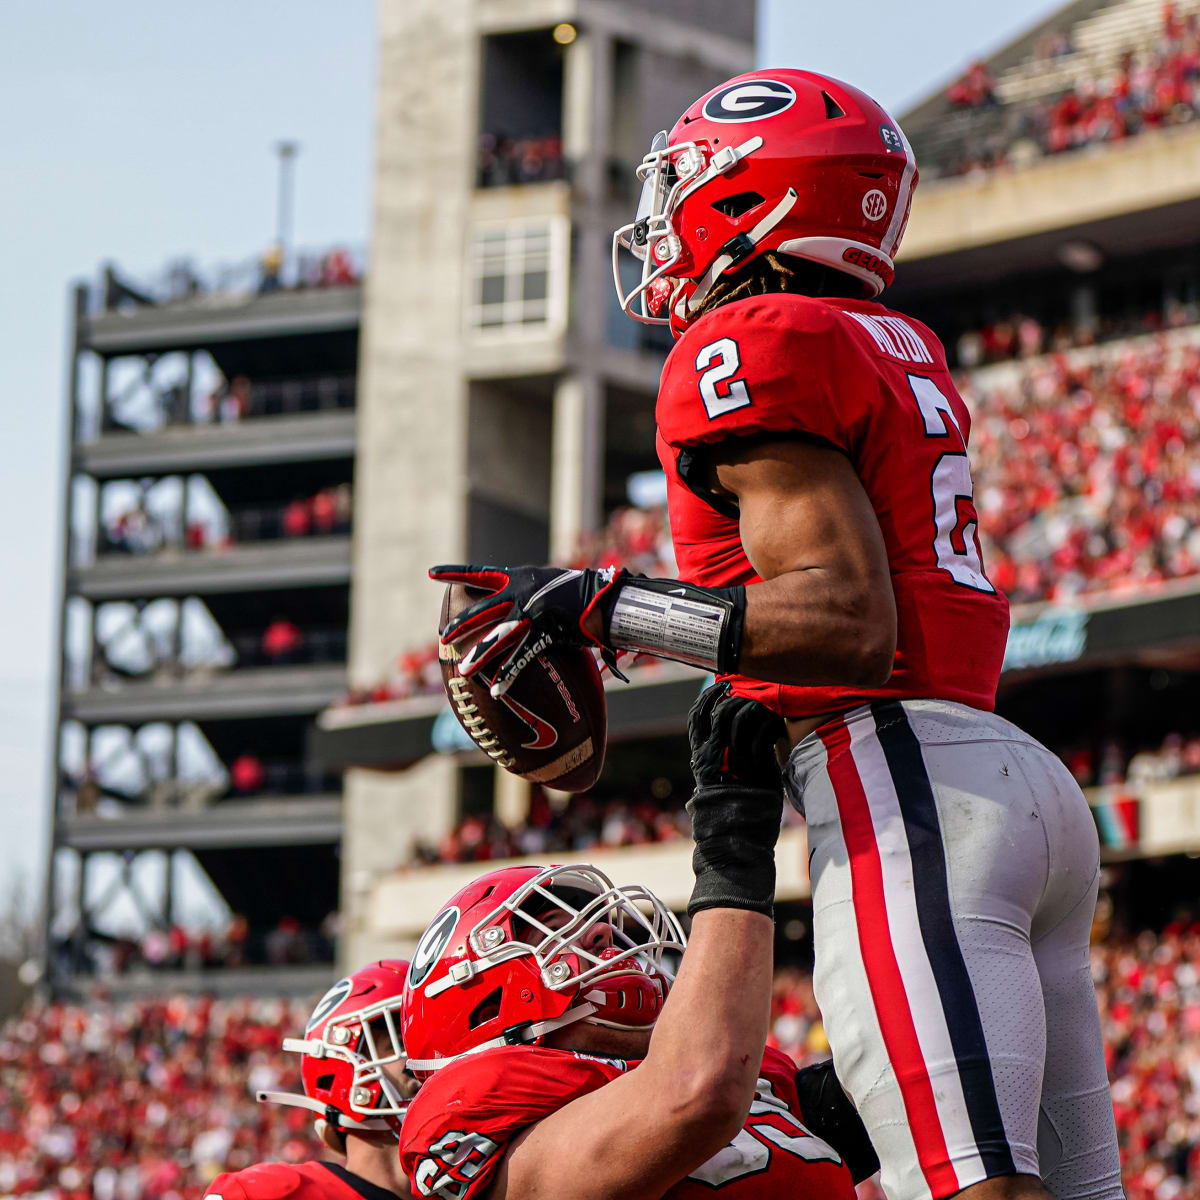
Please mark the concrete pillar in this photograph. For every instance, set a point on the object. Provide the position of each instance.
(383, 813)
(512, 797)
(577, 462)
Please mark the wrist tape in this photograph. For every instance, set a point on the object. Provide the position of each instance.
(696, 625)
(735, 829)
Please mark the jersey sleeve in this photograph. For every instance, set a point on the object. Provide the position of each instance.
(779, 1070)
(463, 1119)
(764, 365)
(263, 1181)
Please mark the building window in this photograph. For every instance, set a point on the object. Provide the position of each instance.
(517, 272)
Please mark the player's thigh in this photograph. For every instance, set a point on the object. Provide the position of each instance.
(924, 973)
(1077, 1137)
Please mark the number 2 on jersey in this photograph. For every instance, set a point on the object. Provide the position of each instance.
(950, 483)
(720, 392)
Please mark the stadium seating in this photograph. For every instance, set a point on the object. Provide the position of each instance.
(1130, 67)
(149, 1099)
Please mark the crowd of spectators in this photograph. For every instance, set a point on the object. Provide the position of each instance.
(1112, 765)
(1148, 989)
(271, 271)
(1147, 90)
(1021, 336)
(136, 530)
(505, 160)
(150, 1099)
(147, 1099)
(586, 823)
(1084, 476)
(89, 952)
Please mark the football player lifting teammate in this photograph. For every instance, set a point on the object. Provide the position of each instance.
(821, 509)
(562, 1059)
(357, 1084)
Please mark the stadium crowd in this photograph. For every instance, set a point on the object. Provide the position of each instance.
(1084, 477)
(1019, 335)
(505, 160)
(134, 529)
(1148, 90)
(586, 823)
(145, 1099)
(178, 948)
(149, 1099)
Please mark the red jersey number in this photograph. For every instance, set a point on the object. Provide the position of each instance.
(954, 518)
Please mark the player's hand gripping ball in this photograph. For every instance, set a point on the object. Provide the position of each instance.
(550, 725)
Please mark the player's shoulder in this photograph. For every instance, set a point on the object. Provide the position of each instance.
(772, 317)
(458, 1126)
(270, 1181)
(508, 1075)
(775, 363)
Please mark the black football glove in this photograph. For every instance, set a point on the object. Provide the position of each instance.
(828, 1112)
(527, 604)
(737, 807)
(733, 740)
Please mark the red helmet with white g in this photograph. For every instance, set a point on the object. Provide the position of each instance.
(780, 160)
(352, 1035)
(526, 950)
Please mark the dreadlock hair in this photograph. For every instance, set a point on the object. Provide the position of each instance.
(771, 272)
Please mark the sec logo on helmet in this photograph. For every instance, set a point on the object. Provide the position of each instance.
(749, 101)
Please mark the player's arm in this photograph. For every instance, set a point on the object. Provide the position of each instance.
(825, 613)
(638, 1135)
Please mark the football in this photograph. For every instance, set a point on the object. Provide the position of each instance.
(550, 727)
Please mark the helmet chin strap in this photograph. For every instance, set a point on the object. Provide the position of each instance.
(747, 243)
(518, 1035)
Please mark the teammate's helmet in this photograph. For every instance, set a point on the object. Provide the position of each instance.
(353, 1033)
(780, 160)
(526, 950)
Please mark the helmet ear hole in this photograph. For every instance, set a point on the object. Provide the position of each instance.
(486, 1010)
(833, 109)
(734, 206)
(325, 1082)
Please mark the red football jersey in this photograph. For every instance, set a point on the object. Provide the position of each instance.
(873, 384)
(463, 1119)
(301, 1181)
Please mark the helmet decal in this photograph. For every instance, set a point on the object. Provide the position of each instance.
(891, 139)
(750, 100)
(874, 204)
(433, 942)
(329, 1002)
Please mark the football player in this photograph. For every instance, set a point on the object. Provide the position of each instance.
(355, 1080)
(561, 1058)
(821, 508)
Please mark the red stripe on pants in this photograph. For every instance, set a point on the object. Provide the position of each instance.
(882, 969)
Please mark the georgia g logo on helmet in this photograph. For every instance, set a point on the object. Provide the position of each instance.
(431, 945)
(749, 101)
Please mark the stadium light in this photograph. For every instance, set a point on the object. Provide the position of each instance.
(565, 33)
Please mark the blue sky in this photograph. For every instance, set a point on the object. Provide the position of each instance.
(140, 132)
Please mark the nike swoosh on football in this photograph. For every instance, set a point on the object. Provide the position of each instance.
(544, 734)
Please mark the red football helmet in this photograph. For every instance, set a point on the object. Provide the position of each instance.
(781, 160)
(526, 950)
(353, 1033)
